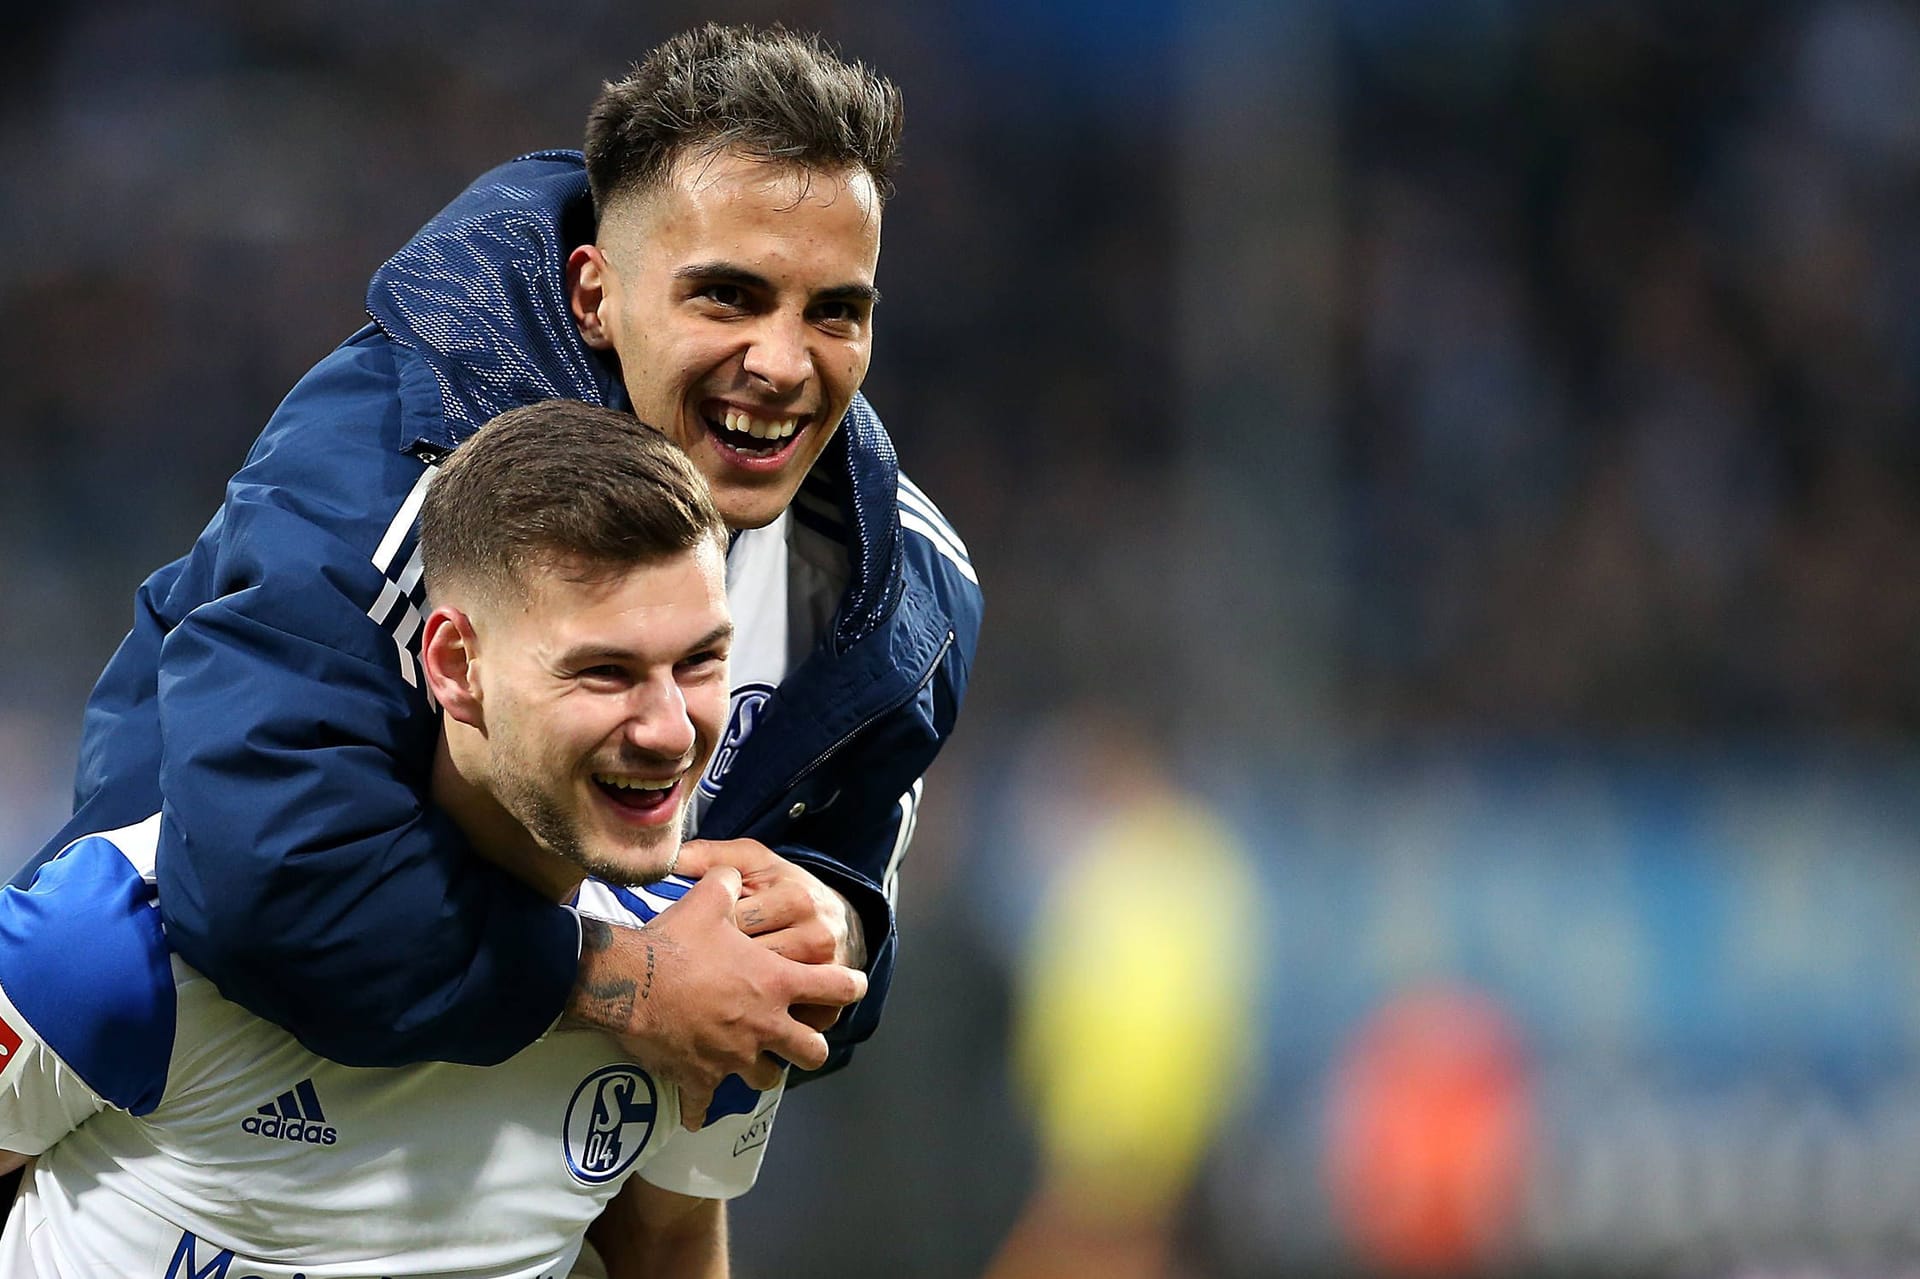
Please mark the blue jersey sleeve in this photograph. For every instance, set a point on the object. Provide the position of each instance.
(83, 960)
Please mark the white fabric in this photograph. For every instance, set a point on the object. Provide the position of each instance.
(41, 1099)
(783, 583)
(438, 1169)
(757, 595)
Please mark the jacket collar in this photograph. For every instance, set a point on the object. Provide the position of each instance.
(480, 295)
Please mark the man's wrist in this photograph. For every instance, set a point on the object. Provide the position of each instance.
(606, 994)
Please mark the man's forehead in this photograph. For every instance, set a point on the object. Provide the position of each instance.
(558, 581)
(709, 177)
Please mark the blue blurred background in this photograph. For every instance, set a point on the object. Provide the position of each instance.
(1463, 452)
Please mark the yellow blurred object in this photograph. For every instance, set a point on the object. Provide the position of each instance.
(1133, 1037)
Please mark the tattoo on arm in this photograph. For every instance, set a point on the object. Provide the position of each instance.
(604, 1000)
(595, 934)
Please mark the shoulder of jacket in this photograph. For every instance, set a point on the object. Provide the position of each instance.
(934, 548)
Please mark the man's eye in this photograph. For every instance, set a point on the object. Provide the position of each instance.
(730, 296)
(840, 314)
(602, 674)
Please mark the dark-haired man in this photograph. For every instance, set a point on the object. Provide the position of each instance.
(577, 638)
(718, 281)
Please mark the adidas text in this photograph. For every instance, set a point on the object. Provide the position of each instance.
(294, 1115)
(290, 1129)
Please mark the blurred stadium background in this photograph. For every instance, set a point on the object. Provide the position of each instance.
(1452, 462)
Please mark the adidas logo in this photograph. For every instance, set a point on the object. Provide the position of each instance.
(294, 1115)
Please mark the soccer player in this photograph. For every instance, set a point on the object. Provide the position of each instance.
(577, 639)
(708, 265)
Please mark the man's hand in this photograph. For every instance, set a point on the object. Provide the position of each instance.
(694, 999)
(782, 904)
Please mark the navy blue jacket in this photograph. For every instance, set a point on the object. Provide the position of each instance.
(267, 699)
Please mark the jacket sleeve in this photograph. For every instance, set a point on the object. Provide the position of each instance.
(874, 900)
(862, 858)
(299, 865)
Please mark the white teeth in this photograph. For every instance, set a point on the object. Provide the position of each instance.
(635, 783)
(760, 428)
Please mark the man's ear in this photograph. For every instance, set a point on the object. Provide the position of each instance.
(587, 294)
(450, 656)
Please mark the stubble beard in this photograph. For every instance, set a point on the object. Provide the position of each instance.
(556, 827)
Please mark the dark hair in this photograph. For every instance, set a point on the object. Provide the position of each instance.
(561, 481)
(772, 94)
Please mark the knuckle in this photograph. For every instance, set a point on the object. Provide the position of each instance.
(817, 946)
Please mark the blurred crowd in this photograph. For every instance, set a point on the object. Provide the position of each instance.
(1621, 375)
(1626, 363)
(1631, 365)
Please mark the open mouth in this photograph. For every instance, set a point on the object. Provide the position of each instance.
(641, 796)
(750, 438)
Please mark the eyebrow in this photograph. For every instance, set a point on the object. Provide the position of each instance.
(724, 631)
(722, 272)
(588, 653)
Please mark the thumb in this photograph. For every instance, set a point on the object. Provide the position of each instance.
(695, 858)
(744, 855)
(717, 890)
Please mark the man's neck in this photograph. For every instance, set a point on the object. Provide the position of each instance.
(494, 833)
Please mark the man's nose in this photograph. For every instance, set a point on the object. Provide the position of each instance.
(779, 355)
(657, 720)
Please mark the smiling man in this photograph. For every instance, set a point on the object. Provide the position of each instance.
(577, 639)
(738, 298)
(708, 265)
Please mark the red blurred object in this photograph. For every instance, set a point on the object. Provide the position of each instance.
(1429, 1134)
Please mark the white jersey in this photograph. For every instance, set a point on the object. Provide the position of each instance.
(185, 1138)
(783, 582)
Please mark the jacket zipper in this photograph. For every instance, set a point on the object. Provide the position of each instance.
(781, 792)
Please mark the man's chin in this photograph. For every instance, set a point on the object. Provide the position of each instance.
(751, 508)
(754, 501)
(631, 870)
